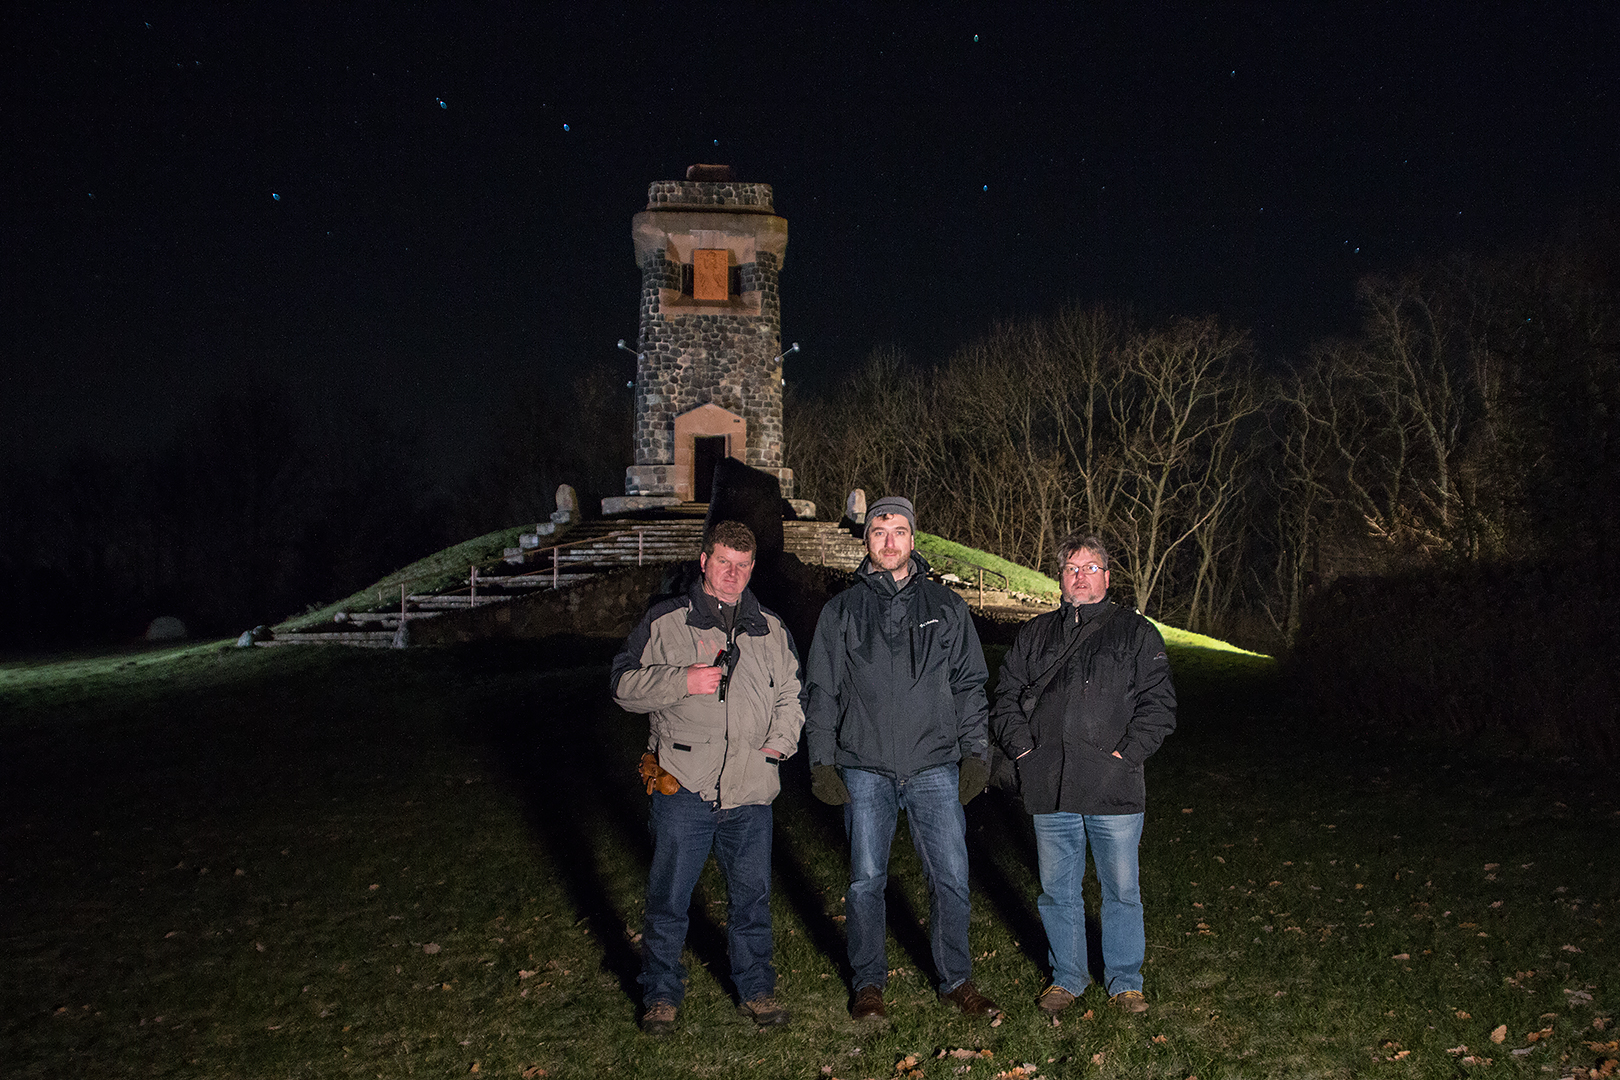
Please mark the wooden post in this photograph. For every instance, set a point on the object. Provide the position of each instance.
(641, 545)
(472, 586)
(402, 603)
(981, 588)
(554, 552)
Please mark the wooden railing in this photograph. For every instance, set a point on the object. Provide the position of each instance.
(473, 578)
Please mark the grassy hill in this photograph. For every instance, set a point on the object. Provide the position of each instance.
(440, 570)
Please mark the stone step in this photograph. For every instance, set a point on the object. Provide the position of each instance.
(363, 639)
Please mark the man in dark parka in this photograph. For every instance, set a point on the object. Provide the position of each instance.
(1078, 723)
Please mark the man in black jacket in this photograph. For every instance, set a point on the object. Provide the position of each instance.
(1084, 698)
(896, 721)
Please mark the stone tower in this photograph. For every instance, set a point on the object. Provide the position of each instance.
(708, 378)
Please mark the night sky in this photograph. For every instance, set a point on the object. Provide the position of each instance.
(418, 211)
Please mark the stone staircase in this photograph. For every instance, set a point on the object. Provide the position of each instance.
(667, 535)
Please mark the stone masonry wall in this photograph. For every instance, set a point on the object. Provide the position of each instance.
(668, 194)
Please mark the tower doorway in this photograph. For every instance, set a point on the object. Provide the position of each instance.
(707, 450)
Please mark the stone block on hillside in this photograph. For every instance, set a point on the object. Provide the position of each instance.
(855, 507)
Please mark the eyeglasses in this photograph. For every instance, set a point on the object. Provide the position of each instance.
(1087, 569)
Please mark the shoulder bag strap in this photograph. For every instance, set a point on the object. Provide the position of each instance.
(1037, 686)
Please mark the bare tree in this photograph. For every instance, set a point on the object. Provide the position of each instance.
(1178, 423)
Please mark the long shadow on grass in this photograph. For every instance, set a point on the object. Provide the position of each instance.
(999, 834)
(570, 756)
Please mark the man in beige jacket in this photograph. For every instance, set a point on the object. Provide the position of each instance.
(718, 675)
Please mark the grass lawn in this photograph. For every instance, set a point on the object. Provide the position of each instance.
(325, 862)
(947, 556)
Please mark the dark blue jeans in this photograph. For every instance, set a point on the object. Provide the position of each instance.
(684, 830)
(939, 833)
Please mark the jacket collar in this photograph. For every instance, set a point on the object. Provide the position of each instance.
(1088, 612)
(882, 582)
(700, 613)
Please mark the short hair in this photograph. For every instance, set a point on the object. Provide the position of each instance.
(1077, 541)
(733, 534)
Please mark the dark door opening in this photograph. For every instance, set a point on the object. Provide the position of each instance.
(707, 450)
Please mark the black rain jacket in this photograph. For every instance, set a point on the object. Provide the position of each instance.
(896, 677)
(1113, 694)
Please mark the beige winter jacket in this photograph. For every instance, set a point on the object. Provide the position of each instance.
(713, 747)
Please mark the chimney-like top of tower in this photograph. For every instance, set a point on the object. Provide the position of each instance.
(708, 187)
(714, 174)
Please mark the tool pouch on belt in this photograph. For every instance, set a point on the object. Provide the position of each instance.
(657, 779)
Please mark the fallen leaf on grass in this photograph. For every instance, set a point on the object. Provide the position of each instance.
(1458, 1050)
(531, 1072)
(1161, 1038)
(1499, 1033)
(1600, 1047)
(1463, 1015)
(1401, 956)
(1599, 1023)
(1537, 1036)
(1578, 997)
(1087, 1015)
(1472, 1060)
(1097, 1058)
(475, 1068)
(1570, 948)
(963, 1054)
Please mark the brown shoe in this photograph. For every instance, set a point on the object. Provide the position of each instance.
(659, 1019)
(1130, 1001)
(868, 1004)
(765, 1011)
(1053, 1000)
(969, 1002)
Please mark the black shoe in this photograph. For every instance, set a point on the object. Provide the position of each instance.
(868, 1004)
(970, 1002)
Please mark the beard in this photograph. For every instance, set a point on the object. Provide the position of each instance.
(889, 560)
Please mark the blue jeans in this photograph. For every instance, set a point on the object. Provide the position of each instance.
(684, 829)
(939, 833)
(1060, 845)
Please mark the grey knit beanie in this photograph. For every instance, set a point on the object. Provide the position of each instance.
(893, 504)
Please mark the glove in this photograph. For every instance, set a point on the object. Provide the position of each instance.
(972, 778)
(827, 785)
